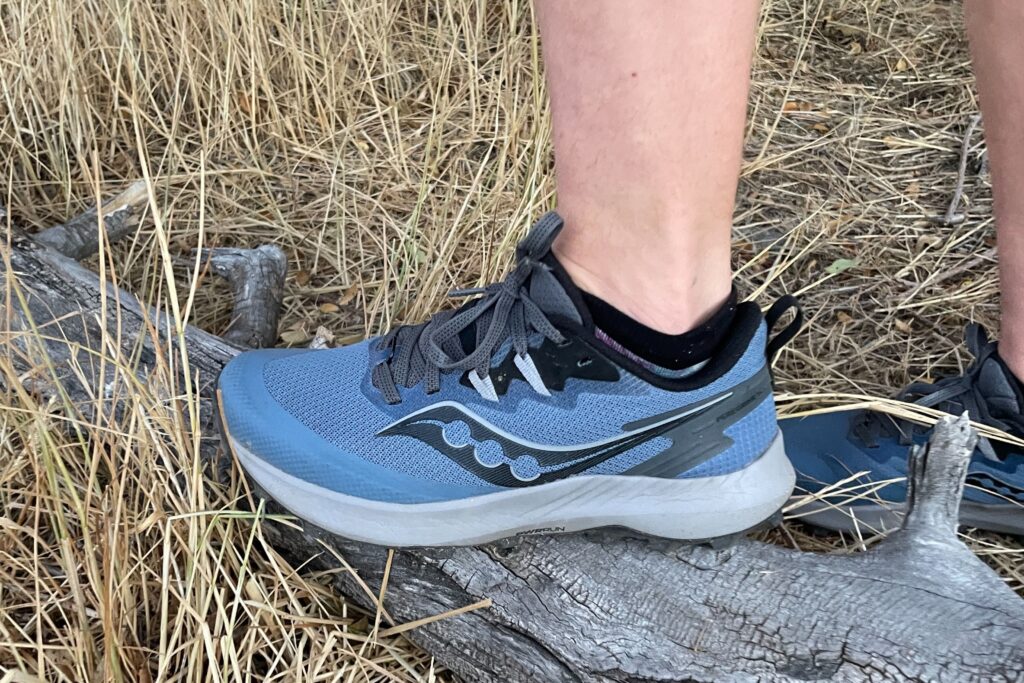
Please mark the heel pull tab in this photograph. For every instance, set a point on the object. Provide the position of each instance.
(786, 334)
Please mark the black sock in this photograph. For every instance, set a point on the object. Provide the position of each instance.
(669, 351)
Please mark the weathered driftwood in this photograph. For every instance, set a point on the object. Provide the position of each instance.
(80, 238)
(256, 277)
(606, 606)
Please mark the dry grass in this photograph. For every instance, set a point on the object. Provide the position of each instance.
(395, 150)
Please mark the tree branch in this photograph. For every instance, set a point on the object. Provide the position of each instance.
(952, 217)
(79, 238)
(936, 476)
(257, 278)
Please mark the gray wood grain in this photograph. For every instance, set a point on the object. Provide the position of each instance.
(79, 238)
(256, 277)
(605, 606)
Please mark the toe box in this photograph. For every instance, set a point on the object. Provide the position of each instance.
(257, 422)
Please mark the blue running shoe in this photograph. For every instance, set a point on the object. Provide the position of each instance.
(829, 451)
(509, 416)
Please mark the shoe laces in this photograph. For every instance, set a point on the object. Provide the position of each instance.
(951, 394)
(503, 310)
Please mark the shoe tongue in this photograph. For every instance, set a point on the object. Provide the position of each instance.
(553, 291)
(549, 286)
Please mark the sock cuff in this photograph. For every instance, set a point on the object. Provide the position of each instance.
(671, 352)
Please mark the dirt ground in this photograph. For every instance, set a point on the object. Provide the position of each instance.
(396, 150)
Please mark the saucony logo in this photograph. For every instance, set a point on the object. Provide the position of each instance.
(503, 459)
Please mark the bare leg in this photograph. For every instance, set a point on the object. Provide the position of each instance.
(995, 28)
(648, 102)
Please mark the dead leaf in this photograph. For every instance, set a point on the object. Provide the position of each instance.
(329, 308)
(832, 226)
(903, 327)
(349, 294)
(294, 336)
(242, 100)
(844, 317)
(302, 278)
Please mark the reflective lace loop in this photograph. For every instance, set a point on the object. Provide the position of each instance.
(951, 394)
(420, 353)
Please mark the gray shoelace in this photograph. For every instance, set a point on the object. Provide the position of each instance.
(504, 310)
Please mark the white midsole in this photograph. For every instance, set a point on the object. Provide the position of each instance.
(697, 508)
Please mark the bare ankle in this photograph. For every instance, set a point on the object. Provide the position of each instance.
(654, 295)
(1012, 353)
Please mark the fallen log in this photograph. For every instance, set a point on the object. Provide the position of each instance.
(597, 606)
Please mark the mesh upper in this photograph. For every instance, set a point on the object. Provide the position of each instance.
(329, 392)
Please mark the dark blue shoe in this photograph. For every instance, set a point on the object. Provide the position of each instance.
(857, 460)
(510, 416)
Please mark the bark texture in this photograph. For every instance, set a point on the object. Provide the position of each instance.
(603, 605)
(256, 277)
(80, 236)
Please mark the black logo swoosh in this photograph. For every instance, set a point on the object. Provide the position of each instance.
(504, 460)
